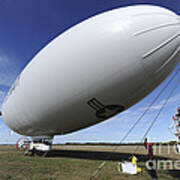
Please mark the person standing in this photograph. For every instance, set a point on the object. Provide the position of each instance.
(148, 146)
(151, 169)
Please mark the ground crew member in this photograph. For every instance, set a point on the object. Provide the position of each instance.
(149, 148)
(151, 170)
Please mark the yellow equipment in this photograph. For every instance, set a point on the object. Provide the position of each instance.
(134, 161)
(129, 167)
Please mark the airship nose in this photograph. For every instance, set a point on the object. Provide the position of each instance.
(159, 44)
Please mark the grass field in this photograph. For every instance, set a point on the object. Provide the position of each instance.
(79, 162)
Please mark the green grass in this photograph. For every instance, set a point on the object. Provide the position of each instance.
(14, 166)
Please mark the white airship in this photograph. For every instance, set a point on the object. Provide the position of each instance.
(93, 71)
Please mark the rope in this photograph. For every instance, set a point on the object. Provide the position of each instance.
(100, 167)
(156, 98)
(158, 114)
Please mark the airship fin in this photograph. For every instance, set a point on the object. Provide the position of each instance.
(0, 113)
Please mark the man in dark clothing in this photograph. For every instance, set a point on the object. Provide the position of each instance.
(149, 148)
(151, 169)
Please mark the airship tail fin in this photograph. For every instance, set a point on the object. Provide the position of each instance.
(0, 113)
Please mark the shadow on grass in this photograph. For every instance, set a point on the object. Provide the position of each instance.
(97, 155)
(110, 156)
(174, 173)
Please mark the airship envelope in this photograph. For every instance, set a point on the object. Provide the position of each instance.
(95, 70)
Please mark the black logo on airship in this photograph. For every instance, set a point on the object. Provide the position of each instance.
(104, 111)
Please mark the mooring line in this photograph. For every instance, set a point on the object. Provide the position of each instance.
(100, 167)
(158, 114)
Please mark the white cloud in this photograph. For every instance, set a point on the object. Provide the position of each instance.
(175, 98)
(158, 106)
(8, 70)
(8, 73)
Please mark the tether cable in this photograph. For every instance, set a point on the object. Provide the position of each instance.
(100, 167)
(158, 114)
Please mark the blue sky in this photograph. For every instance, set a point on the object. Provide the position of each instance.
(27, 26)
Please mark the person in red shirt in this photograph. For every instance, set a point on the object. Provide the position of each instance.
(149, 148)
(152, 169)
